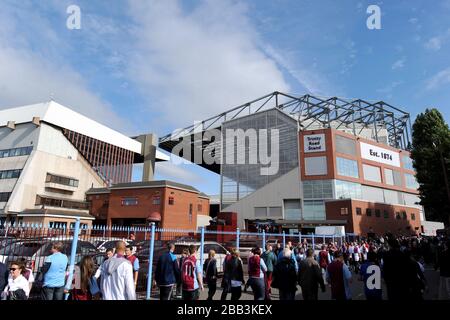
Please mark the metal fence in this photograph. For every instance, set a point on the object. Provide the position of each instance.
(33, 243)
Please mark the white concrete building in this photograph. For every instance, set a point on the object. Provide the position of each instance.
(50, 156)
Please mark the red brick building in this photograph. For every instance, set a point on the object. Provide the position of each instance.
(168, 204)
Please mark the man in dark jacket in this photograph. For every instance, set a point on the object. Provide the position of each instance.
(4, 272)
(310, 277)
(210, 271)
(285, 276)
(233, 276)
(167, 273)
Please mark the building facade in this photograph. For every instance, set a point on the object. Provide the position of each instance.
(50, 156)
(340, 163)
(168, 204)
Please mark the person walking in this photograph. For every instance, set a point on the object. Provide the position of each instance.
(54, 271)
(184, 255)
(324, 260)
(210, 271)
(256, 273)
(233, 276)
(370, 274)
(17, 287)
(310, 277)
(270, 260)
(167, 273)
(27, 272)
(85, 285)
(285, 276)
(339, 277)
(191, 275)
(117, 276)
(129, 255)
(3, 276)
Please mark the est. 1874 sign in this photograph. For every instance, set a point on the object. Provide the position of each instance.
(374, 153)
(314, 142)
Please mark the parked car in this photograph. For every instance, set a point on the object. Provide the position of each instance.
(103, 245)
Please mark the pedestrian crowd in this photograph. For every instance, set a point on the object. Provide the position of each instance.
(398, 261)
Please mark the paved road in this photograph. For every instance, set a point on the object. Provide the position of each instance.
(357, 289)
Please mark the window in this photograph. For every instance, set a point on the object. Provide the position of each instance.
(318, 189)
(275, 212)
(347, 168)
(190, 212)
(411, 182)
(358, 211)
(348, 190)
(345, 145)
(397, 178)
(369, 212)
(260, 212)
(316, 166)
(389, 177)
(386, 214)
(10, 174)
(171, 201)
(377, 213)
(71, 182)
(371, 173)
(129, 201)
(15, 152)
(397, 216)
(156, 200)
(344, 211)
(404, 215)
(313, 210)
(4, 196)
(407, 163)
(292, 210)
(413, 216)
(199, 208)
(61, 203)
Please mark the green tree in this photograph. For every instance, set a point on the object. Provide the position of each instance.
(431, 157)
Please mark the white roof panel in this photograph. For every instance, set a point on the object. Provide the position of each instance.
(56, 114)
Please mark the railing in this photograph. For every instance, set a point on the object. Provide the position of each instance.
(33, 242)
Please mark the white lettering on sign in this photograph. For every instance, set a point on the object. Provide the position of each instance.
(377, 154)
(314, 143)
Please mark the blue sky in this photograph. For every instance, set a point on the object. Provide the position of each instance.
(154, 66)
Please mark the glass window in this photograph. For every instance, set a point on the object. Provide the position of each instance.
(260, 212)
(318, 189)
(407, 163)
(371, 173)
(347, 168)
(313, 210)
(377, 213)
(15, 152)
(413, 216)
(10, 174)
(411, 181)
(348, 190)
(171, 201)
(4, 196)
(345, 145)
(275, 212)
(130, 201)
(369, 212)
(190, 212)
(316, 166)
(372, 194)
(389, 177)
(156, 200)
(397, 216)
(358, 211)
(397, 178)
(404, 215)
(292, 209)
(386, 214)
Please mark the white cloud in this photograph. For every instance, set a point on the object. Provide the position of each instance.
(437, 42)
(399, 64)
(387, 90)
(196, 64)
(413, 20)
(30, 74)
(169, 170)
(439, 79)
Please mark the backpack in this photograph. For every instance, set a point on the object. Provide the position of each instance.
(188, 273)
